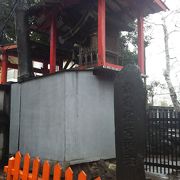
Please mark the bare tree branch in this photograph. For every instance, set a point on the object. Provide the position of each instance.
(167, 72)
(174, 31)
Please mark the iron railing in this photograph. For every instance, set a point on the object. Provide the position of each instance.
(162, 140)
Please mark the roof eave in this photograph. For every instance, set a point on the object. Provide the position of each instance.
(161, 4)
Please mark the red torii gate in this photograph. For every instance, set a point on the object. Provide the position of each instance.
(102, 62)
(5, 64)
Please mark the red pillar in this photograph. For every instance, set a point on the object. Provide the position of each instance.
(4, 67)
(53, 35)
(101, 32)
(141, 59)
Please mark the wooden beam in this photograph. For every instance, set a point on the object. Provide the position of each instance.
(161, 4)
(53, 39)
(141, 59)
(4, 65)
(101, 32)
(8, 47)
(15, 66)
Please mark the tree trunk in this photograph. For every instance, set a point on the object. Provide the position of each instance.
(23, 42)
(167, 72)
(172, 92)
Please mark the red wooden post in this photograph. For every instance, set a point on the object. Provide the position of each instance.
(141, 47)
(24, 174)
(8, 169)
(46, 171)
(35, 170)
(82, 176)
(69, 174)
(53, 38)
(4, 67)
(101, 32)
(98, 178)
(16, 166)
(57, 172)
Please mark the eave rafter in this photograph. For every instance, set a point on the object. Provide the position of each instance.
(161, 5)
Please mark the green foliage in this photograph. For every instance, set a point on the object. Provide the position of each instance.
(40, 38)
(129, 44)
(7, 28)
(127, 56)
(7, 16)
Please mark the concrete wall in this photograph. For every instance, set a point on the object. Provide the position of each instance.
(66, 117)
(14, 118)
(1, 100)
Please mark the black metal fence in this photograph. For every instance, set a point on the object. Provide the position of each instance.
(163, 140)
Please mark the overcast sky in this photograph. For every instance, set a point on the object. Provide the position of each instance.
(155, 57)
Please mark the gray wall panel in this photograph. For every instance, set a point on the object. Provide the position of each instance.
(42, 118)
(1, 100)
(90, 125)
(14, 118)
(68, 116)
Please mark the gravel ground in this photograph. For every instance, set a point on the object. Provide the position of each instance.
(162, 177)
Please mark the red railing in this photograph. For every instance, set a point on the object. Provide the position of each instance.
(14, 172)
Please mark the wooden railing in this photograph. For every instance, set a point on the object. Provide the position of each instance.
(14, 172)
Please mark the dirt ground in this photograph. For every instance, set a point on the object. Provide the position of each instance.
(107, 172)
(1, 175)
